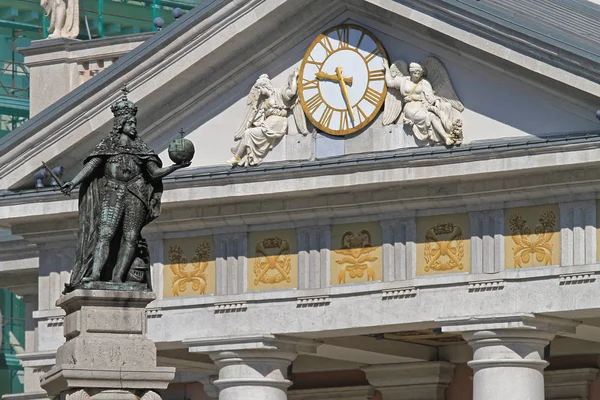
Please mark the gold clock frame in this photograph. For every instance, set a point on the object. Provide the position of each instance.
(317, 40)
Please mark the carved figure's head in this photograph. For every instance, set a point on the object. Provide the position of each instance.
(263, 84)
(124, 112)
(416, 71)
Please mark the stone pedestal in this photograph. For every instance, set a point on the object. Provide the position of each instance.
(106, 355)
(253, 367)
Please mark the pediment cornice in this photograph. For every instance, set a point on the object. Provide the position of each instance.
(208, 46)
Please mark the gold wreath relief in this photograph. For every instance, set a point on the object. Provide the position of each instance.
(528, 245)
(356, 256)
(444, 253)
(181, 276)
(272, 262)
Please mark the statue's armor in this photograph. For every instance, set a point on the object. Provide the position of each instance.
(122, 167)
(125, 195)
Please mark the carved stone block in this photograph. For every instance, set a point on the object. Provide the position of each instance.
(106, 353)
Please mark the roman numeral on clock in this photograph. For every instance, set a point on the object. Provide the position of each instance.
(327, 45)
(325, 119)
(314, 102)
(312, 84)
(372, 96)
(377, 75)
(344, 120)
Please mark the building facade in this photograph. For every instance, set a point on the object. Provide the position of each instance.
(382, 234)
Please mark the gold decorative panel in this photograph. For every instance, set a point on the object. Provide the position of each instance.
(356, 253)
(532, 236)
(273, 260)
(189, 267)
(443, 244)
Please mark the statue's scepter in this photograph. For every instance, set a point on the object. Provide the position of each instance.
(58, 181)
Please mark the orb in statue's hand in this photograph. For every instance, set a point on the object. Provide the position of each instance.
(181, 150)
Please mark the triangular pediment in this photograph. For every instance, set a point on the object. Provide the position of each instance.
(197, 73)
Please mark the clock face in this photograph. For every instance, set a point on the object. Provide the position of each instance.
(342, 81)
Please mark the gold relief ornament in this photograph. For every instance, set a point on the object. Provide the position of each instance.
(197, 276)
(272, 262)
(526, 245)
(444, 248)
(356, 256)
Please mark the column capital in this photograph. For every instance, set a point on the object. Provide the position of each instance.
(522, 321)
(416, 380)
(252, 343)
(253, 366)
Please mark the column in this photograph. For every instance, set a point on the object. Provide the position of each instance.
(578, 232)
(313, 256)
(399, 248)
(416, 381)
(569, 384)
(487, 241)
(508, 353)
(231, 251)
(337, 393)
(252, 367)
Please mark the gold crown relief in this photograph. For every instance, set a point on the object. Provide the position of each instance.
(272, 243)
(123, 106)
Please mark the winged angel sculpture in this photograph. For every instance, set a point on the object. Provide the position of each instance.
(266, 120)
(422, 96)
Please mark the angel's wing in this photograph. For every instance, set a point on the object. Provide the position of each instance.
(299, 117)
(399, 68)
(393, 99)
(392, 106)
(440, 82)
(251, 109)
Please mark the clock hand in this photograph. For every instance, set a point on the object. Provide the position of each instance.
(338, 72)
(323, 76)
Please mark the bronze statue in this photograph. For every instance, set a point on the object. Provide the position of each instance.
(121, 189)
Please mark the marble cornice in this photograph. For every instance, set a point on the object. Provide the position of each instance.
(84, 111)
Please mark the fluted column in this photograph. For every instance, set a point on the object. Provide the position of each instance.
(252, 367)
(508, 353)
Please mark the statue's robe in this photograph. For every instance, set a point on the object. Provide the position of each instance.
(91, 194)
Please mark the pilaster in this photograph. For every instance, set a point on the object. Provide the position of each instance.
(252, 367)
(313, 256)
(416, 381)
(487, 241)
(578, 232)
(569, 384)
(157, 250)
(231, 251)
(399, 248)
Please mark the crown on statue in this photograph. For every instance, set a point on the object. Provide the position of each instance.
(123, 106)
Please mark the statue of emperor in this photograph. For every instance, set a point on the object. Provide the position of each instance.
(121, 189)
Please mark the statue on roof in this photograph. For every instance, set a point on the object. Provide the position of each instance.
(121, 189)
(63, 16)
(422, 96)
(266, 120)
